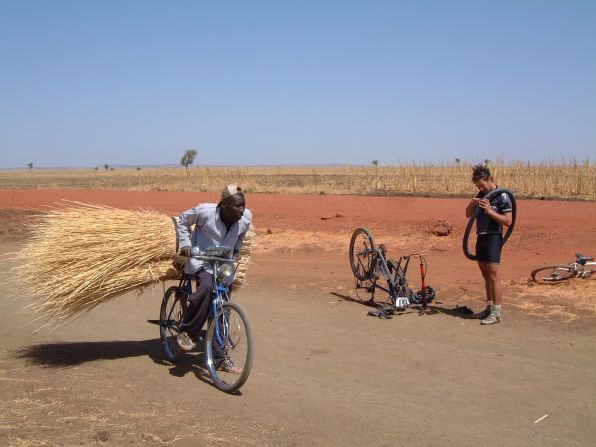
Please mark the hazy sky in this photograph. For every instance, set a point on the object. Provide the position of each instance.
(87, 82)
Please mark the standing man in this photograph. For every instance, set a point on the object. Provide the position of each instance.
(495, 213)
(223, 225)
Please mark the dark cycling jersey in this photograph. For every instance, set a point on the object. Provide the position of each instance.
(499, 203)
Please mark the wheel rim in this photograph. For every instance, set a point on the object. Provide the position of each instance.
(362, 254)
(552, 274)
(170, 317)
(229, 357)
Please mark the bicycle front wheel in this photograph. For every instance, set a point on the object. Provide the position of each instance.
(229, 347)
(362, 254)
(551, 274)
(170, 317)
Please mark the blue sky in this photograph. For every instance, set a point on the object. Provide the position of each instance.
(84, 83)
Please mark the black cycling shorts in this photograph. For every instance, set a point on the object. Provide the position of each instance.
(488, 248)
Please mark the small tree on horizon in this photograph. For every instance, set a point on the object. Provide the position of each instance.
(457, 162)
(188, 158)
(30, 166)
(106, 167)
(375, 163)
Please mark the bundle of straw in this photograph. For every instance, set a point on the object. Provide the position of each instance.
(82, 255)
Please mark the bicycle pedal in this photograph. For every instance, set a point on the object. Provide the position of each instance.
(386, 309)
(380, 314)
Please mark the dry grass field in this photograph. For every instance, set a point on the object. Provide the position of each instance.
(548, 180)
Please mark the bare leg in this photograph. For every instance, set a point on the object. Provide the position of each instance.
(494, 280)
(483, 266)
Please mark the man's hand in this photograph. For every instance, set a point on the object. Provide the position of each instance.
(185, 251)
(484, 204)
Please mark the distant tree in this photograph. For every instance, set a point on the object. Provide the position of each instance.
(457, 161)
(95, 168)
(375, 163)
(188, 158)
(486, 161)
(106, 167)
(138, 168)
(30, 165)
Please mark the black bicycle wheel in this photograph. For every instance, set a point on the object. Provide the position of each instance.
(170, 317)
(550, 274)
(229, 347)
(474, 216)
(362, 254)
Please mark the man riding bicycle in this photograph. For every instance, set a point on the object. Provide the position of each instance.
(223, 225)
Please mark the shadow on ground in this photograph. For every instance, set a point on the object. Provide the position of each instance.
(458, 311)
(66, 355)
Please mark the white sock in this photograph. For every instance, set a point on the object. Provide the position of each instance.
(496, 310)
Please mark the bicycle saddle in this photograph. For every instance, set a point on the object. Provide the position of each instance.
(581, 259)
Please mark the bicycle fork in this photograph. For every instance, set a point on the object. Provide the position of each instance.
(221, 331)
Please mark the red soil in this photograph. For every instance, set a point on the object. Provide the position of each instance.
(312, 228)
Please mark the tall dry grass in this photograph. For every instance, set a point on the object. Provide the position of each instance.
(554, 180)
(82, 255)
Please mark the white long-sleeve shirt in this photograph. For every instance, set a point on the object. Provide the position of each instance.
(209, 230)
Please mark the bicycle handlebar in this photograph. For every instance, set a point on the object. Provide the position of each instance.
(212, 258)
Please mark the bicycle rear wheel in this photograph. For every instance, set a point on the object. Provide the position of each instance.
(362, 254)
(229, 347)
(170, 317)
(551, 274)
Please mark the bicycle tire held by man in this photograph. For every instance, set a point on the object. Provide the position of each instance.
(224, 224)
(495, 212)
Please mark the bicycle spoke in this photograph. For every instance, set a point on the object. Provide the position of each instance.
(362, 254)
(229, 347)
(170, 317)
(553, 274)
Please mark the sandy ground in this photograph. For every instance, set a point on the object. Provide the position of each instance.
(324, 372)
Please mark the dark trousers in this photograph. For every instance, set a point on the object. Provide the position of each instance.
(199, 302)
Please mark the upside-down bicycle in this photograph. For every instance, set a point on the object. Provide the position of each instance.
(582, 267)
(369, 263)
(228, 339)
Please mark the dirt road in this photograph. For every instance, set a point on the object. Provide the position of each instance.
(324, 372)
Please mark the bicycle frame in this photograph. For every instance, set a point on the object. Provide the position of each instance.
(220, 296)
(582, 267)
(228, 342)
(221, 291)
(369, 263)
(397, 284)
(582, 270)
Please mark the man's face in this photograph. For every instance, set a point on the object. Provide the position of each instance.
(233, 208)
(483, 186)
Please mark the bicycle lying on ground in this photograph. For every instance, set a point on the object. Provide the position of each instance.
(369, 263)
(228, 344)
(582, 267)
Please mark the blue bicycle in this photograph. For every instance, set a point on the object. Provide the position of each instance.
(228, 343)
